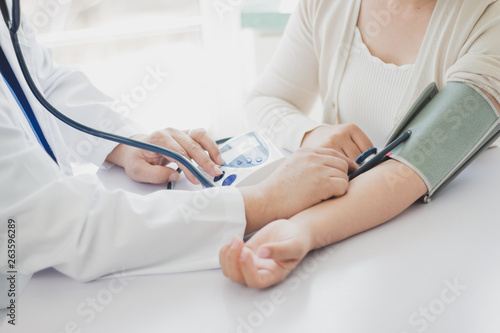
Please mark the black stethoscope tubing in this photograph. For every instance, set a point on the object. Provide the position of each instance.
(13, 26)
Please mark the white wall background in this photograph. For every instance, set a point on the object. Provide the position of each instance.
(211, 62)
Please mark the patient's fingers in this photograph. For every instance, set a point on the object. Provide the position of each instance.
(229, 260)
(223, 253)
(256, 278)
(361, 140)
(334, 160)
(285, 250)
(351, 150)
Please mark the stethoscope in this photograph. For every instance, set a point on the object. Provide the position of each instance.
(13, 26)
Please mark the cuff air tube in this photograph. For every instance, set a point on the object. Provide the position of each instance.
(449, 129)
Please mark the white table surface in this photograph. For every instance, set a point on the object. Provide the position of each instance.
(393, 279)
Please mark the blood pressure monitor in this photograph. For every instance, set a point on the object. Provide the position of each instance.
(248, 160)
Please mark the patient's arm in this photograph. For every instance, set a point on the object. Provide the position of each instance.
(372, 199)
(492, 99)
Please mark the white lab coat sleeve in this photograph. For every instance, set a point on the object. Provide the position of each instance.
(85, 231)
(285, 94)
(72, 93)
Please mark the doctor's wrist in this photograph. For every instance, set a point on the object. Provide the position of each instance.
(122, 153)
(117, 155)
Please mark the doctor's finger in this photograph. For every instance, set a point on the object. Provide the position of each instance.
(201, 136)
(144, 172)
(174, 145)
(197, 153)
(169, 138)
(165, 139)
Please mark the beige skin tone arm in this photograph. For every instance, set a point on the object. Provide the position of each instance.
(319, 173)
(277, 197)
(398, 43)
(373, 198)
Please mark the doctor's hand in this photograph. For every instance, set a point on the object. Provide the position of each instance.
(147, 167)
(347, 139)
(304, 179)
(268, 257)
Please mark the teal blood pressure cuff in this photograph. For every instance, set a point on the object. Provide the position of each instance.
(449, 129)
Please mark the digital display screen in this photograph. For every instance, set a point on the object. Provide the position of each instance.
(241, 147)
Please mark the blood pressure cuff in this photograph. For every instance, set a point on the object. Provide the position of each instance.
(449, 129)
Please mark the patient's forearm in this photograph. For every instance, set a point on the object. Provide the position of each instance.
(372, 199)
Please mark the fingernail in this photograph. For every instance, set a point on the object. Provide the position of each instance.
(264, 253)
(220, 160)
(174, 177)
(244, 255)
(235, 242)
(217, 170)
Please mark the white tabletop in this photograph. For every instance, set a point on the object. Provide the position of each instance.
(435, 268)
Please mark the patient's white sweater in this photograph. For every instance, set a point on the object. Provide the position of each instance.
(371, 91)
(461, 44)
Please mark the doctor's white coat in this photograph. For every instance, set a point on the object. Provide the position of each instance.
(72, 223)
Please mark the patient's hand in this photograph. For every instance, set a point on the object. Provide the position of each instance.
(347, 139)
(268, 257)
(304, 179)
(308, 177)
